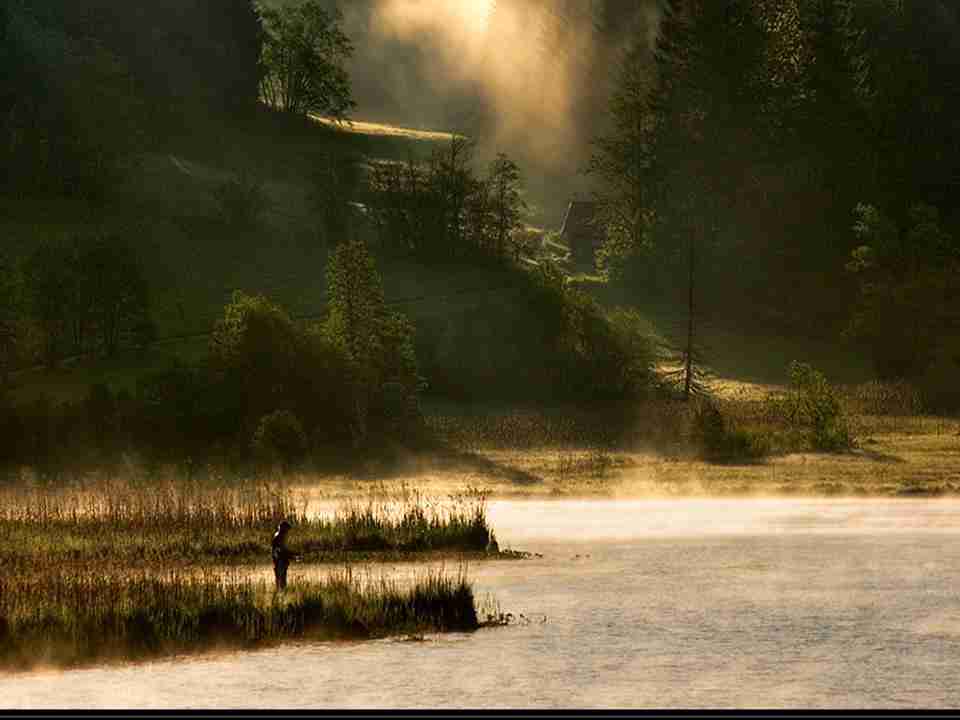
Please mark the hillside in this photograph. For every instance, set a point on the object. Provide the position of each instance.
(167, 209)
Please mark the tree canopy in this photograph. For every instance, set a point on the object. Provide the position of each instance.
(754, 131)
(303, 57)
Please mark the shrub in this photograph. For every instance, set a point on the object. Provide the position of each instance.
(268, 361)
(597, 357)
(722, 440)
(183, 411)
(814, 404)
(279, 437)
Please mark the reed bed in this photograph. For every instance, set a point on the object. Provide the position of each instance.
(176, 524)
(68, 618)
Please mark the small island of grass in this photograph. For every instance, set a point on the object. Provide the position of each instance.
(113, 572)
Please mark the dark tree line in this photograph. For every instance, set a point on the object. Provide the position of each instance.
(269, 386)
(771, 145)
(87, 295)
(86, 86)
(442, 210)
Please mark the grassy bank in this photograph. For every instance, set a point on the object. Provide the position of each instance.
(900, 449)
(175, 524)
(66, 619)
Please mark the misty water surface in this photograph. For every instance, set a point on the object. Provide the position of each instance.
(752, 603)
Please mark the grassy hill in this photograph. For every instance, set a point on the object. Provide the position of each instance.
(195, 262)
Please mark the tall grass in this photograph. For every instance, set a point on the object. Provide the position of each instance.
(527, 429)
(174, 523)
(68, 618)
(748, 425)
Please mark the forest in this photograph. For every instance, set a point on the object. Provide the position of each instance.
(777, 167)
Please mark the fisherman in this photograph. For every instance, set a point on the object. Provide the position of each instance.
(281, 554)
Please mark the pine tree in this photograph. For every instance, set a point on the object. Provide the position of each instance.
(377, 343)
(507, 205)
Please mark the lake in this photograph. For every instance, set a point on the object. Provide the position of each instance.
(634, 604)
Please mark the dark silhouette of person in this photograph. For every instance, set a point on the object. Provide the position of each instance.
(281, 554)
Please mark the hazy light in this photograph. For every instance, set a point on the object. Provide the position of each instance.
(476, 14)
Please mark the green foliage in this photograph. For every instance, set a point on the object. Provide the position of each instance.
(720, 439)
(622, 161)
(242, 202)
(356, 305)
(270, 363)
(88, 296)
(507, 205)
(815, 405)
(584, 353)
(377, 343)
(183, 412)
(116, 294)
(441, 211)
(906, 281)
(71, 118)
(752, 129)
(304, 56)
(279, 437)
(87, 87)
(52, 292)
(227, 37)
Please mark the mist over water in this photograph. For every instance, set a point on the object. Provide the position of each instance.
(653, 603)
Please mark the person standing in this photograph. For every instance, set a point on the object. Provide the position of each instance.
(281, 554)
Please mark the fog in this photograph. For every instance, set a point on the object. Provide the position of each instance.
(528, 77)
(688, 603)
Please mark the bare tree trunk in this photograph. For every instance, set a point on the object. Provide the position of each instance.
(688, 368)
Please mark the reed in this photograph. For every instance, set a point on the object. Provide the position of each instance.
(69, 618)
(176, 524)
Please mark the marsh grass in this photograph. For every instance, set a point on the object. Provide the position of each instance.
(68, 618)
(901, 449)
(181, 524)
(868, 408)
(595, 463)
(523, 429)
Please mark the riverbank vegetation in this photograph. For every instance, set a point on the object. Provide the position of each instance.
(115, 524)
(66, 617)
(765, 445)
(112, 570)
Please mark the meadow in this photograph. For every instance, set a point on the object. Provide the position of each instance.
(899, 450)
